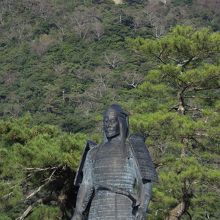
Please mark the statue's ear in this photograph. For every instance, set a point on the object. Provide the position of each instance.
(105, 138)
(123, 129)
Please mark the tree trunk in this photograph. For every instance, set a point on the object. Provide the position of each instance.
(177, 212)
(181, 106)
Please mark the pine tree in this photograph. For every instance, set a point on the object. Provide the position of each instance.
(37, 169)
(177, 108)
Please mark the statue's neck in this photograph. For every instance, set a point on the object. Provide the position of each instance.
(116, 143)
(115, 140)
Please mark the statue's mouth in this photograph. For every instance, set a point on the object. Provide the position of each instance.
(110, 130)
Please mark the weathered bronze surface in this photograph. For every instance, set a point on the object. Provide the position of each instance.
(115, 177)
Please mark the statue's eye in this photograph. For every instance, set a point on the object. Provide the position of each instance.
(106, 121)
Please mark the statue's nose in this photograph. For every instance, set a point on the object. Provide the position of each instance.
(106, 124)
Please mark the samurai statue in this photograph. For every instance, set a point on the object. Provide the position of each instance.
(115, 178)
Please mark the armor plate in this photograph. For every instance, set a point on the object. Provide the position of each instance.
(143, 158)
(79, 173)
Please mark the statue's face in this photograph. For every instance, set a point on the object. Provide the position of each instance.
(111, 124)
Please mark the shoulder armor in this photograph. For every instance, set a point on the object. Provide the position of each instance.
(143, 158)
(79, 174)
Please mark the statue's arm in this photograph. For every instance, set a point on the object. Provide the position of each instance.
(145, 195)
(85, 191)
(145, 192)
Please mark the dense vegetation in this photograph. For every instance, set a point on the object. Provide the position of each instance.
(63, 62)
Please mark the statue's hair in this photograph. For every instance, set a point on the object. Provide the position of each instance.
(117, 108)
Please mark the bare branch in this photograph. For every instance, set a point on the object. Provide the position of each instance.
(7, 195)
(28, 210)
(48, 180)
(36, 169)
(112, 60)
(184, 63)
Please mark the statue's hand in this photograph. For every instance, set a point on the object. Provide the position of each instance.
(77, 216)
(140, 215)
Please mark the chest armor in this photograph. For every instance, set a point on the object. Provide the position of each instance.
(111, 168)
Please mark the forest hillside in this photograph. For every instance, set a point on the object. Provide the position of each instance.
(64, 61)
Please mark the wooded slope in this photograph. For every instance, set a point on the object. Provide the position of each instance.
(64, 62)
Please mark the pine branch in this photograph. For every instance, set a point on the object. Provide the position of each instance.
(196, 89)
(159, 58)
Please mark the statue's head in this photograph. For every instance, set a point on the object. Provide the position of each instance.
(115, 122)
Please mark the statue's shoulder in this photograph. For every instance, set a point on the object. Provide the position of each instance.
(87, 153)
(93, 148)
(142, 156)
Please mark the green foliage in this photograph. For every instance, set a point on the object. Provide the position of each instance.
(45, 212)
(177, 110)
(52, 56)
(33, 157)
(63, 62)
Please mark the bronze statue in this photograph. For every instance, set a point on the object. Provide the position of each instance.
(115, 177)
